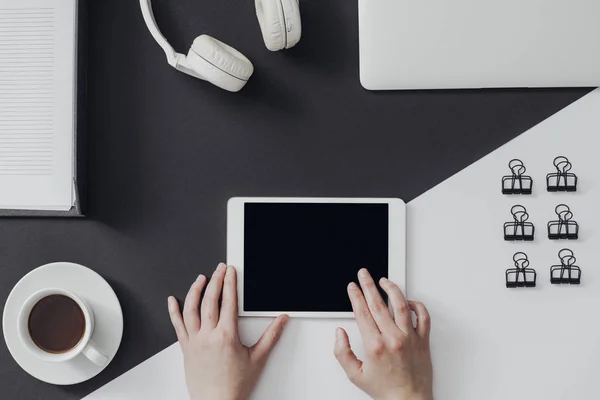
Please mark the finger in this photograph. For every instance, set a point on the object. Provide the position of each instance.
(229, 305)
(261, 350)
(343, 352)
(377, 306)
(177, 320)
(399, 305)
(423, 318)
(362, 314)
(191, 317)
(210, 303)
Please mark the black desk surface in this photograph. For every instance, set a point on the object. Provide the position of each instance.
(166, 151)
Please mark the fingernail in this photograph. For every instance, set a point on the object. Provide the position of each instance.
(363, 273)
(200, 277)
(286, 319)
(352, 286)
(230, 270)
(171, 301)
(219, 268)
(338, 333)
(383, 280)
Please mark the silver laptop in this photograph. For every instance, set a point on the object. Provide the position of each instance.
(445, 44)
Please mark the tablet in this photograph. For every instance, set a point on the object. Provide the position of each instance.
(298, 255)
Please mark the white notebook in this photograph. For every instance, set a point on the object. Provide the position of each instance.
(37, 104)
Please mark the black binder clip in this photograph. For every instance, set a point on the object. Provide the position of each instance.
(567, 272)
(519, 229)
(517, 183)
(521, 275)
(564, 228)
(561, 180)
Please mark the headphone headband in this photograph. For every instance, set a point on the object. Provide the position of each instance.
(172, 55)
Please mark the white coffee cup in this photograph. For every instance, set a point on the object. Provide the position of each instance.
(85, 346)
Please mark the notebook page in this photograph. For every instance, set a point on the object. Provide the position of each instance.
(37, 103)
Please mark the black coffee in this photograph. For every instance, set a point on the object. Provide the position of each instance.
(56, 324)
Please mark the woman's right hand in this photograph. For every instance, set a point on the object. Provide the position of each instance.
(398, 361)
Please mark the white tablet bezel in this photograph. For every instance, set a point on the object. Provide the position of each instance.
(235, 245)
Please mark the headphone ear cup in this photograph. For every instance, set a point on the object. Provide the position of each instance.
(280, 23)
(220, 64)
(272, 23)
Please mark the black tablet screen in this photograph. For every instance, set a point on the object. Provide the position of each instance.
(301, 257)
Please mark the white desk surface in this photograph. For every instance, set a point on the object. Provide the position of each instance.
(488, 342)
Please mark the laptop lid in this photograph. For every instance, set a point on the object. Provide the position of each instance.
(443, 44)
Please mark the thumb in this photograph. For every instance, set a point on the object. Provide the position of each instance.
(261, 350)
(343, 352)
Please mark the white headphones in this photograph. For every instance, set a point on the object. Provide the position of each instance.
(212, 60)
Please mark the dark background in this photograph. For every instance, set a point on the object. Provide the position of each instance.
(166, 151)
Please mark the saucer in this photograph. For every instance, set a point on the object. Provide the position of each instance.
(95, 291)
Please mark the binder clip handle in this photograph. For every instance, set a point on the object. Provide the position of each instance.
(565, 253)
(568, 261)
(564, 212)
(521, 261)
(562, 164)
(519, 213)
(567, 258)
(517, 167)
